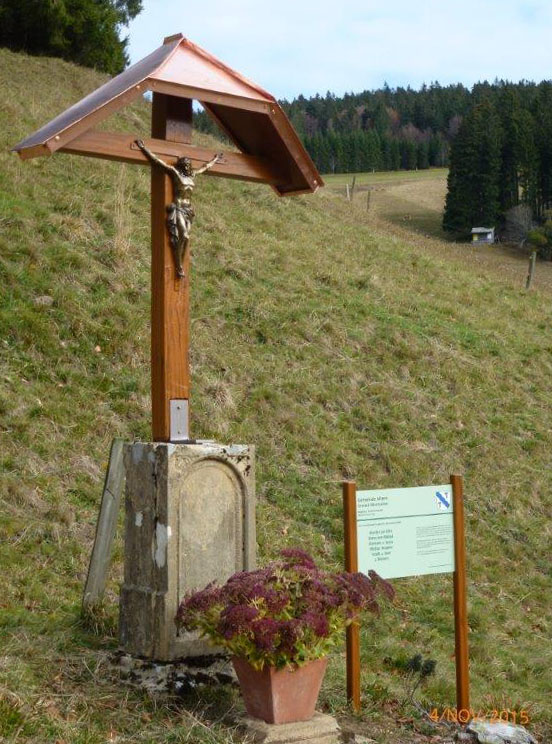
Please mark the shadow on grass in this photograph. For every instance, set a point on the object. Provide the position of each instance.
(423, 223)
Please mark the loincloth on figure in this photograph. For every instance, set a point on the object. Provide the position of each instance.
(173, 211)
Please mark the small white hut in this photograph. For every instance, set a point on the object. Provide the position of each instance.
(483, 234)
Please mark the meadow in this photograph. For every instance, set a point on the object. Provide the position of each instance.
(344, 342)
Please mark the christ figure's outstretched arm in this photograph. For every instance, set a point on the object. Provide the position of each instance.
(207, 166)
(154, 159)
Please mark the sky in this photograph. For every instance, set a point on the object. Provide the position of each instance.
(293, 46)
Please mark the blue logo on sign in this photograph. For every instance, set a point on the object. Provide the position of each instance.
(443, 500)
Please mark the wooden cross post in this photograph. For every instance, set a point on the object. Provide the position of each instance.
(170, 294)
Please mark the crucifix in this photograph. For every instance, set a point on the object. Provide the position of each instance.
(269, 151)
(180, 213)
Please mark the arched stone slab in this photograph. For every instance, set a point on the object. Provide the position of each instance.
(190, 519)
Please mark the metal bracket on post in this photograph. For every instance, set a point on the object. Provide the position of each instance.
(178, 413)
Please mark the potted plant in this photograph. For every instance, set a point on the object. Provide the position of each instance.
(279, 624)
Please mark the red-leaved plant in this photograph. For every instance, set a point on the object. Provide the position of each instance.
(288, 613)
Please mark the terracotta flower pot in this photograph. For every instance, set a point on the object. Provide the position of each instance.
(280, 695)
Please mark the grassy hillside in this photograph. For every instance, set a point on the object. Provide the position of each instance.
(337, 348)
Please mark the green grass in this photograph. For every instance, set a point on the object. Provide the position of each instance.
(337, 349)
(365, 180)
(406, 199)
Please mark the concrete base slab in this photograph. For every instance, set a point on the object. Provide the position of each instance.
(189, 520)
(321, 729)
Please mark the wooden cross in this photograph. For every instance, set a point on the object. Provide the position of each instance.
(171, 131)
(170, 294)
(270, 153)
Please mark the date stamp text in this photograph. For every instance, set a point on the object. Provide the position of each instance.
(464, 715)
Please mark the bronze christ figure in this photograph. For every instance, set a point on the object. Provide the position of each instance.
(180, 213)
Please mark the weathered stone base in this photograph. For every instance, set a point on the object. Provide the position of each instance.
(190, 520)
(321, 729)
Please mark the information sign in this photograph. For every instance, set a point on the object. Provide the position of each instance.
(401, 532)
(405, 531)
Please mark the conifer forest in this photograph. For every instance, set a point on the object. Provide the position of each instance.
(496, 139)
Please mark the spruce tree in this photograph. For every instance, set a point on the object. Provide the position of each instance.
(82, 31)
(473, 181)
(543, 120)
(423, 155)
(339, 155)
(395, 155)
(527, 160)
(508, 109)
(409, 155)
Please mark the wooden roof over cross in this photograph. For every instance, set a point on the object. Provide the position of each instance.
(252, 118)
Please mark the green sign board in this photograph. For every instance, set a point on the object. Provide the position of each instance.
(405, 531)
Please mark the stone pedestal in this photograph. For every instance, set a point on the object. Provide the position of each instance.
(190, 519)
(321, 729)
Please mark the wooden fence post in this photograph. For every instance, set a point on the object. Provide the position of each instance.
(106, 527)
(532, 262)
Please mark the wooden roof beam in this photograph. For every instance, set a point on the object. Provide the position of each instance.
(122, 147)
(200, 94)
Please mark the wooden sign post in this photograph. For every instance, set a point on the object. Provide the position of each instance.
(397, 546)
(460, 598)
(351, 565)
